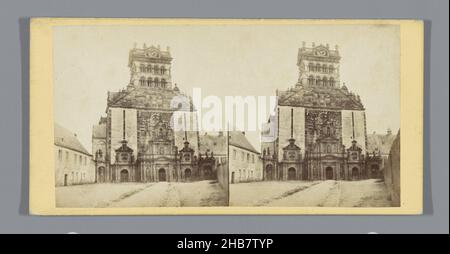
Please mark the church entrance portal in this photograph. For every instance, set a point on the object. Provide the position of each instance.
(291, 174)
(269, 172)
(162, 175)
(187, 174)
(329, 173)
(124, 176)
(355, 173)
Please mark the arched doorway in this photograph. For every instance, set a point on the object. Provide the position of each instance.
(162, 175)
(124, 175)
(355, 173)
(291, 174)
(329, 173)
(101, 175)
(187, 174)
(269, 172)
(374, 171)
(208, 173)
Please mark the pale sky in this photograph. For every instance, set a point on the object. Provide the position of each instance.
(222, 60)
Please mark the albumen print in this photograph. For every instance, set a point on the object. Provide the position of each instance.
(227, 115)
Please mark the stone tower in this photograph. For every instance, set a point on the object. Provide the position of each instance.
(150, 67)
(318, 66)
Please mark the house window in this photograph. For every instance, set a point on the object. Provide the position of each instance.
(141, 68)
(75, 159)
(59, 155)
(253, 158)
(234, 154)
(67, 156)
(248, 157)
(242, 156)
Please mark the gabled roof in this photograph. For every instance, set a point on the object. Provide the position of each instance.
(319, 97)
(239, 139)
(142, 97)
(213, 143)
(67, 139)
(291, 145)
(124, 148)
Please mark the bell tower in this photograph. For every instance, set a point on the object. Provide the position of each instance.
(150, 67)
(318, 66)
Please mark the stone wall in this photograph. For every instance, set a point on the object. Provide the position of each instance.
(72, 167)
(392, 172)
(241, 169)
(117, 130)
(222, 172)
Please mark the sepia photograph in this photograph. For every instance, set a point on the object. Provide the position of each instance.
(228, 115)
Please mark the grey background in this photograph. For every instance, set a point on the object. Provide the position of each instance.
(14, 124)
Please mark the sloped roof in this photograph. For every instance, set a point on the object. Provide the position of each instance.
(382, 142)
(67, 139)
(214, 143)
(143, 97)
(239, 139)
(319, 97)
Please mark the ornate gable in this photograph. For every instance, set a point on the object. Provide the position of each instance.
(319, 97)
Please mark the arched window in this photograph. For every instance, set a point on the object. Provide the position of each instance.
(330, 68)
(324, 68)
(325, 81)
(318, 81)
(142, 68)
(163, 70)
(329, 149)
(156, 69)
(331, 82)
(149, 68)
(311, 80)
(142, 81)
(163, 83)
(156, 81)
(318, 68)
(310, 67)
(149, 82)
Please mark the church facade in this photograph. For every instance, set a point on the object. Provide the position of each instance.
(318, 131)
(137, 140)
